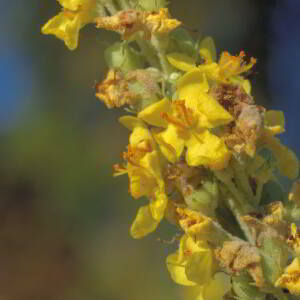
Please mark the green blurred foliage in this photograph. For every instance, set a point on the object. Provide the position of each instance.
(64, 218)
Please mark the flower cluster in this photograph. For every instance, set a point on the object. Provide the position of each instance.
(201, 151)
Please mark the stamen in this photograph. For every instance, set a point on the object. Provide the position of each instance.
(173, 120)
(185, 112)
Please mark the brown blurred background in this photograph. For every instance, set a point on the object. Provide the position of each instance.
(63, 219)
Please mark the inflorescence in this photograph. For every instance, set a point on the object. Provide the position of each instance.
(201, 150)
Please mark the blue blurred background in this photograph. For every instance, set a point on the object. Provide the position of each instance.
(63, 219)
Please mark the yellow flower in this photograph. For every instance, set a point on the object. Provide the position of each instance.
(186, 129)
(228, 69)
(290, 279)
(194, 265)
(66, 25)
(145, 176)
(234, 65)
(192, 88)
(200, 227)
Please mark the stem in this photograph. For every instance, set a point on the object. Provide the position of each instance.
(160, 45)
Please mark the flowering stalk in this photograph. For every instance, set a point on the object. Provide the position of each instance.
(200, 149)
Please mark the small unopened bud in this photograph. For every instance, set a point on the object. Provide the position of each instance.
(204, 199)
(121, 56)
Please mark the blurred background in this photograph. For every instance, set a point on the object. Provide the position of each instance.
(64, 220)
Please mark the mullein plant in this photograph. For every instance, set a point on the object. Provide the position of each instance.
(200, 149)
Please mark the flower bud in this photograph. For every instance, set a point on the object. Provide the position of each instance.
(204, 199)
(122, 56)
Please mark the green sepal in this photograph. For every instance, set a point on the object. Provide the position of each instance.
(123, 57)
(245, 288)
(274, 258)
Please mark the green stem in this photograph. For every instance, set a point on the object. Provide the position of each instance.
(160, 45)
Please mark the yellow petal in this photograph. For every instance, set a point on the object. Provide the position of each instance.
(181, 61)
(291, 277)
(208, 150)
(287, 161)
(141, 182)
(208, 50)
(234, 65)
(274, 121)
(216, 114)
(151, 163)
(158, 205)
(176, 263)
(140, 134)
(216, 288)
(177, 270)
(143, 223)
(211, 71)
(247, 86)
(200, 266)
(170, 144)
(151, 114)
(131, 122)
(71, 4)
(245, 83)
(64, 26)
(193, 88)
(191, 84)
